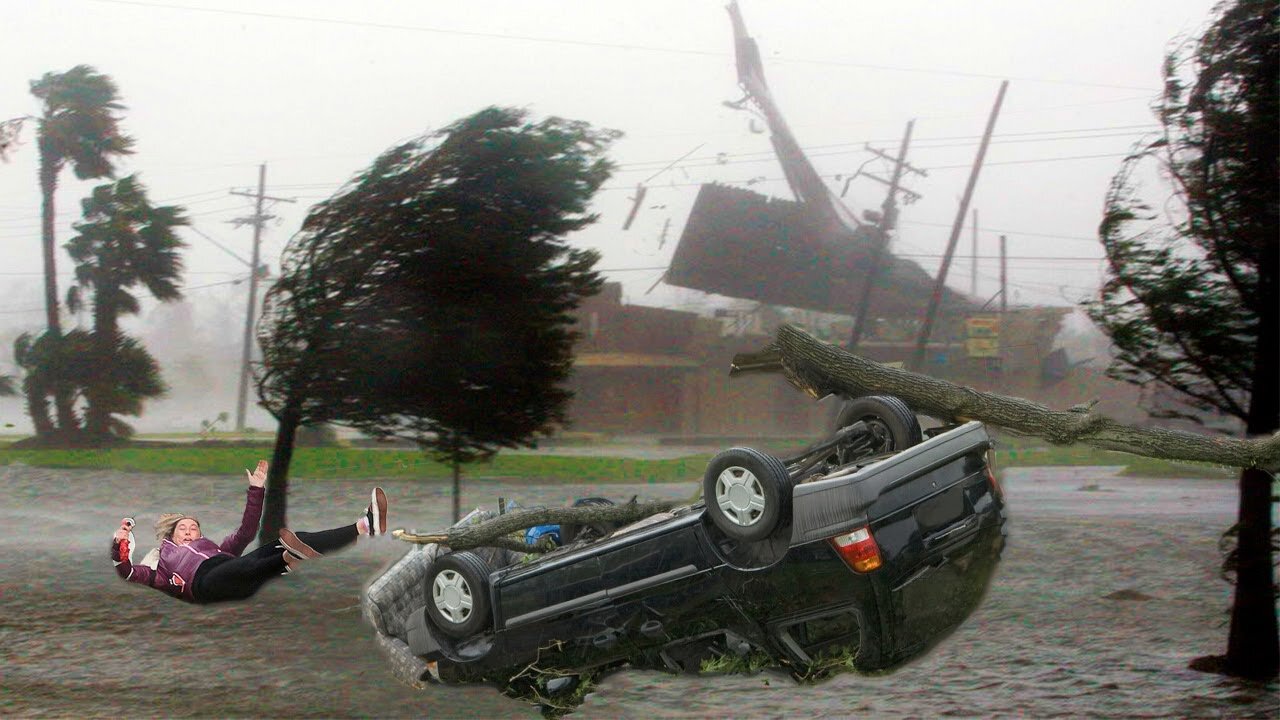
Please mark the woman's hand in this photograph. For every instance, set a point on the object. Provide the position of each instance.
(258, 478)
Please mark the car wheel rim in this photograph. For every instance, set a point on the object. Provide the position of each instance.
(740, 496)
(882, 434)
(452, 596)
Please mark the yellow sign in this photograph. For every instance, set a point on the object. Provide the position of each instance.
(983, 326)
(983, 347)
(983, 336)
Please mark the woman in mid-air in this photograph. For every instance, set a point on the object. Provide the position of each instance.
(194, 568)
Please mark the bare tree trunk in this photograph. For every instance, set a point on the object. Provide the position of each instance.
(820, 369)
(495, 531)
(68, 424)
(38, 409)
(97, 419)
(1253, 644)
(276, 503)
(1252, 650)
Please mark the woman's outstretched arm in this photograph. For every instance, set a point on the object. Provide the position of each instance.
(236, 542)
(141, 574)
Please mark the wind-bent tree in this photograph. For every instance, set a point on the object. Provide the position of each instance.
(430, 298)
(123, 242)
(1192, 301)
(77, 125)
(50, 361)
(9, 131)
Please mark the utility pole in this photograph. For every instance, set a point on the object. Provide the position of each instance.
(1004, 278)
(257, 220)
(973, 256)
(935, 300)
(888, 219)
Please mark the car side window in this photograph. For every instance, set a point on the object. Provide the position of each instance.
(826, 635)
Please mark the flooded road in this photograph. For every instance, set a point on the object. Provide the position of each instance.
(1046, 642)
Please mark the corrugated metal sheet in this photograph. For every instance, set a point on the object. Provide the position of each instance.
(745, 245)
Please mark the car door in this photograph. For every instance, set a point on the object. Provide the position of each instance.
(660, 586)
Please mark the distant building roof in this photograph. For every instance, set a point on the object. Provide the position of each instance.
(746, 245)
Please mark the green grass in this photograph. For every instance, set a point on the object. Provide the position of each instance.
(355, 463)
(362, 463)
(1135, 465)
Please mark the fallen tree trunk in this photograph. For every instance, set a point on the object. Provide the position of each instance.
(496, 531)
(820, 369)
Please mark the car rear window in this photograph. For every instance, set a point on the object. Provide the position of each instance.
(827, 635)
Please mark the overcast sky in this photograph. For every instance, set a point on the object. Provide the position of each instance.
(317, 89)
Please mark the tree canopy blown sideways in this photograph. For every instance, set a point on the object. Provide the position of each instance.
(430, 298)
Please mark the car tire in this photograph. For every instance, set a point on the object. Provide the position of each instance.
(748, 493)
(458, 594)
(571, 531)
(893, 423)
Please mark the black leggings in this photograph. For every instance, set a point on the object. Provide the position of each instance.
(222, 577)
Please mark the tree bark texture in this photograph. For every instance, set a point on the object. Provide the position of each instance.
(38, 409)
(276, 502)
(1252, 651)
(820, 368)
(495, 531)
(68, 424)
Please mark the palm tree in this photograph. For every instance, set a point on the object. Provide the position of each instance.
(122, 242)
(77, 125)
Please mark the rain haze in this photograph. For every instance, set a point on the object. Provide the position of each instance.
(316, 90)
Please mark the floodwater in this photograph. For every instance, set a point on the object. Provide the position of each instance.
(1047, 641)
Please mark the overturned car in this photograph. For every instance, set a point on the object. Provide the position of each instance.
(860, 553)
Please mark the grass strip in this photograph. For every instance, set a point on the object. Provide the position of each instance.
(355, 464)
(361, 463)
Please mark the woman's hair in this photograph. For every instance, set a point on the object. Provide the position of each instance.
(167, 522)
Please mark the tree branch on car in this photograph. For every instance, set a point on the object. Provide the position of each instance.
(819, 369)
(497, 531)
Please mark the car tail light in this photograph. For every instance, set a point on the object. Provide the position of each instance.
(991, 474)
(858, 550)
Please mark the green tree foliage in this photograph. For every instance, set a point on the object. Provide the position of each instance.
(78, 125)
(75, 361)
(1192, 300)
(122, 242)
(430, 298)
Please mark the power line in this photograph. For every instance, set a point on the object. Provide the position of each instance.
(1007, 257)
(1007, 232)
(768, 156)
(611, 46)
(214, 212)
(754, 181)
(219, 245)
(1038, 160)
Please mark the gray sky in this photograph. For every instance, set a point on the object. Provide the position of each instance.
(317, 89)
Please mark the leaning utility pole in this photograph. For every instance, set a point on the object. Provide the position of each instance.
(1004, 278)
(888, 220)
(257, 220)
(935, 300)
(973, 258)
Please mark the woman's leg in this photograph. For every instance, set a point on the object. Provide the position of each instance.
(238, 578)
(326, 541)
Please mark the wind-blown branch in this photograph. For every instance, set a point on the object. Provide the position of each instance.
(494, 531)
(820, 369)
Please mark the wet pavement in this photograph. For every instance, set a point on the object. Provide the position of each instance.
(1046, 642)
